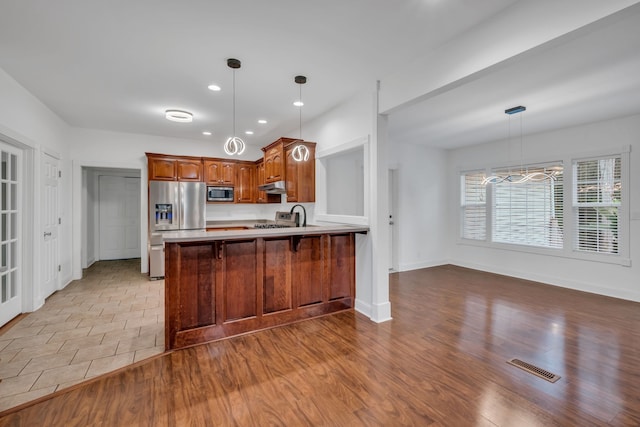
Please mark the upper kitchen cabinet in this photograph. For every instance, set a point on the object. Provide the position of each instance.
(274, 159)
(300, 172)
(262, 196)
(246, 187)
(172, 168)
(219, 172)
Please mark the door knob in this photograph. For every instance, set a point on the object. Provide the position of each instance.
(47, 234)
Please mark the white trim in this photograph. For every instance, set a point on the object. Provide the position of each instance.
(553, 281)
(77, 166)
(381, 312)
(343, 148)
(422, 264)
(363, 307)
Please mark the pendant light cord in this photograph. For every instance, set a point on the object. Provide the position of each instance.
(234, 103)
(300, 119)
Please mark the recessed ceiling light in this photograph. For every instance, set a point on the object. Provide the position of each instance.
(298, 103)
(179, 116)
(214, 88)
(249, 132)
(262, 121)
(207, 133)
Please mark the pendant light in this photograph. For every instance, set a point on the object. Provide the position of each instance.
(234, 144)
(522, 176)
(300, 152)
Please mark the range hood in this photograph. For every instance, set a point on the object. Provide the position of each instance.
(278, 187)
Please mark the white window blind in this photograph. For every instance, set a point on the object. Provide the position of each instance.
(529, 213)
(597, 199)
(473, 206)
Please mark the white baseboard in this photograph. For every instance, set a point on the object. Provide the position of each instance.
(378, 313)
(363, 307)
(553, 281)
(422, 264)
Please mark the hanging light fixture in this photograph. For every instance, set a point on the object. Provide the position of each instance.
(522, 176)
(300, 152)
(234, 144)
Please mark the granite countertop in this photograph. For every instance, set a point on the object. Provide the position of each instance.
(251, 233)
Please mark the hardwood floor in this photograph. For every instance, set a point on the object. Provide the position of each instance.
(441, 361)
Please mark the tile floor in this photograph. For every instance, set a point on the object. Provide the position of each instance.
(112, 317)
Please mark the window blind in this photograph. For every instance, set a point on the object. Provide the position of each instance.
(473, 206)
(597, 200)
(529, 213)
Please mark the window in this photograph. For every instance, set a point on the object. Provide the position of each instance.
(597, 201)
(529, 213)
(473, 206)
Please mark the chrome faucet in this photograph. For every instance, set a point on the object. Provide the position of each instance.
(304, 211)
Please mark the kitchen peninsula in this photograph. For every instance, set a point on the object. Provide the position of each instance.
(224, 283)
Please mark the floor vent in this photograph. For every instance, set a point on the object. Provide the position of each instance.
(533, 369)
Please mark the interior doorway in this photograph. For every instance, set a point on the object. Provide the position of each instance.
(111, 220)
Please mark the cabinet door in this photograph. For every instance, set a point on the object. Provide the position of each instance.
(244, 185)
(261, 196)
(162, 169)
(239, 280)
(227, 173)
(273, 163)
(308, 274)
(189, 170)
(211, 172)
(276, 282)
(291, 174)
(341, 266)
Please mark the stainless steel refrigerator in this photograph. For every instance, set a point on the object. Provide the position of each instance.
(173, 206)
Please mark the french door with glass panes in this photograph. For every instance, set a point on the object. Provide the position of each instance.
(10, 202)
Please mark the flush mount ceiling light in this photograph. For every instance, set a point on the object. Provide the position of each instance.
(522, 175)
(178, 116)
(234, 145)
(300, 152)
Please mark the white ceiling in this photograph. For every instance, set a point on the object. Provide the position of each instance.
(117, 65)
(590, 75)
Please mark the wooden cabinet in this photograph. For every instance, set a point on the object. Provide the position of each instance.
(189, 170)
(274, 159)
(245, 188)
(261, 196)
(169, 168)
(224, 287)
(300, 175)
(273, 163)
(219, 172)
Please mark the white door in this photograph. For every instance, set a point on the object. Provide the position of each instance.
(50, 224)
(10, 233)
(119, 200)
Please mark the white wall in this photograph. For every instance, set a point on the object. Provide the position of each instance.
(422, 205)
(357, 119)
(30, 125)
(598, 277)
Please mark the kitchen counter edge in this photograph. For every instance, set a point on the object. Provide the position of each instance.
(201, 236)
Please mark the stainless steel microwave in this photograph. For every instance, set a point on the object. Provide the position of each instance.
(219, 194)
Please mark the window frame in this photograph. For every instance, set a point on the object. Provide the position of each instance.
(567, 250)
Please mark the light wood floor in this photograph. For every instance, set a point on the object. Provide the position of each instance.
(441, 361)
